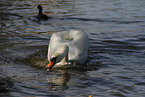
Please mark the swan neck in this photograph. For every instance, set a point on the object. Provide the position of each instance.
(62, 53)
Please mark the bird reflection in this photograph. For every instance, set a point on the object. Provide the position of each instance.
(60, 81)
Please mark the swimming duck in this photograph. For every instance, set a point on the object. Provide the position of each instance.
(40, 14)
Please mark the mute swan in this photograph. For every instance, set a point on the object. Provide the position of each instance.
(40, 14)
(67, 46)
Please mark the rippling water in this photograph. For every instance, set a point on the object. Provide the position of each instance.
(116, 58)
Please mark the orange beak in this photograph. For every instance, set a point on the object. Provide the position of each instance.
(50, 65)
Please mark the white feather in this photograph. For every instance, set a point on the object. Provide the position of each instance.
(69, 45)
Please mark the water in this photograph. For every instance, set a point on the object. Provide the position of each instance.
(115, 66)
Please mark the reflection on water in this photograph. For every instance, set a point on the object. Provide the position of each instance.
(115, 65)
(62, 80)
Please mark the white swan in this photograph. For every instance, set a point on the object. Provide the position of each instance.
(67, 46)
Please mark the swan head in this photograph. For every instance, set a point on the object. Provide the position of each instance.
(51, 63)
(60, 57)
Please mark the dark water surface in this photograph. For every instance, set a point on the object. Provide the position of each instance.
(116, 58)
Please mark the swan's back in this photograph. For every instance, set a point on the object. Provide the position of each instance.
(78, 43)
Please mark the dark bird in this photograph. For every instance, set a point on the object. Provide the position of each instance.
(40, 14)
